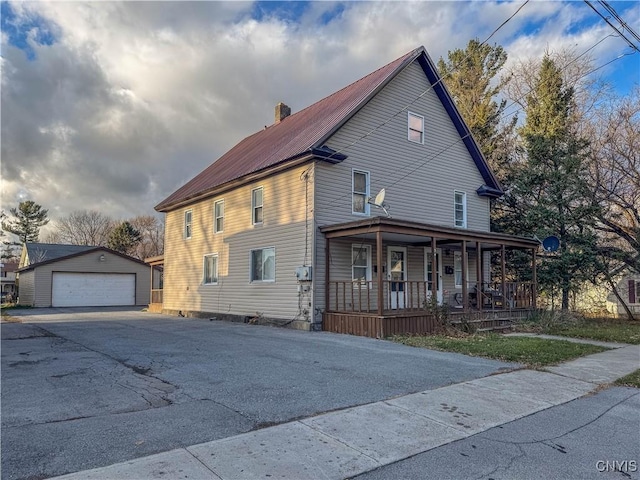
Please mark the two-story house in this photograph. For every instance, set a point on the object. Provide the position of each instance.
(284, 226)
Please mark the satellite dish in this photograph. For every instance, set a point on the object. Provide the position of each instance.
(379, 201)
(551, 244)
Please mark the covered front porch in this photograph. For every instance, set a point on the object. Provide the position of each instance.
(385, 276)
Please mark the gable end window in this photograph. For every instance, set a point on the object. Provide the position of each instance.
(415, 128)
(210, 270)
(263, 265)
(460, 209)
(218, 216)
(360, 192)
(187, 223)
(256, 206)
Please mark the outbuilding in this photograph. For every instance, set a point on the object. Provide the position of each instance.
(53, 275)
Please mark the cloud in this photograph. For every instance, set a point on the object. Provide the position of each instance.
(127, 101)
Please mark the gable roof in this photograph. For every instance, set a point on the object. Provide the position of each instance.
(45, 253)
(303, 134)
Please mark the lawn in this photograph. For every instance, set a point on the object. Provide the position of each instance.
(533, 352)
(603, 329)
(631, 380)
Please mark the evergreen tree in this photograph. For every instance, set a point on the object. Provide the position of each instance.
(124, 238)
(550, 194)
(28, 218)
(470, 75)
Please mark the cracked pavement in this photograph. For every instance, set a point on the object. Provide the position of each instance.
(83, 389)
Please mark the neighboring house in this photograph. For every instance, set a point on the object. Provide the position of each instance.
(281, 226)
(52, 275)
(628, 288)
(8, 280)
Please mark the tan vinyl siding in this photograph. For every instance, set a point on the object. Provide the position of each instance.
(283, 228)
(420, 179)
(90, 263)
(26, 287)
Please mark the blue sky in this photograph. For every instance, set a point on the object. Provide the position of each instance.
(137, 97)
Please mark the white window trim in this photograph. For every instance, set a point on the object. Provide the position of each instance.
(253, 207)
(204, 266)
(367, 209)
(251, 280)
(215, 218)
(367, 250)
(456, 255)
(188, 235)
(409, 129)
(464, 209)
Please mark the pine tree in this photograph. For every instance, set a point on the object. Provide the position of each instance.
(124, 238)
(550, 194)
(29, 217)
(470, 77)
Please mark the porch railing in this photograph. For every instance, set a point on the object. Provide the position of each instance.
(362, 296)
(156, 296)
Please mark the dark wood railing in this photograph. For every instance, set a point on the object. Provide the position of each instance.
(362, 296)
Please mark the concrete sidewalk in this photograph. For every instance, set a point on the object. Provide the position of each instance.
(349, 442)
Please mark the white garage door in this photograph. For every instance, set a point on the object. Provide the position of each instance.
(93, 289)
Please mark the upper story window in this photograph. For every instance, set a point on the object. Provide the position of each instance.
(460, 209)
(361, 263)
(360, 189)
(263, 265)
(256, 206)
(416, 128)
(218, 216)
(187, 223)
(210, 270)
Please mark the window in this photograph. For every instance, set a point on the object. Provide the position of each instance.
(210, 271)
(360, 263)
(187, 224)
(360, 189)
(416, 128)
(218, 216)
(634, 291)
(256, 206)
(460, 209)
(457, 269)
(263, 265)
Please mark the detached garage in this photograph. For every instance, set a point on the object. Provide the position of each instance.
(53, 275)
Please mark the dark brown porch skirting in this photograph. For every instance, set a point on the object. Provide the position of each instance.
(419, 323)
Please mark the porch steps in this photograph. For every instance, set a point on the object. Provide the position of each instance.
(485, 324)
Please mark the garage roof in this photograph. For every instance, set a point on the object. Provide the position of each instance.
(45, 253)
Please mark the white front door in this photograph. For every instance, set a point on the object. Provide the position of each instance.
(428, 258)
(397, 274)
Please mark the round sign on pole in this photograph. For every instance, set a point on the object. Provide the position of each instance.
(551, 244)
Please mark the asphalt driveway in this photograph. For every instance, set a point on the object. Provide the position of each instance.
(83, 389)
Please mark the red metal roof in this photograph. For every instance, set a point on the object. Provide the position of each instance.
(292, 137)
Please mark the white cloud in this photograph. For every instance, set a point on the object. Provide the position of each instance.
(135, 98)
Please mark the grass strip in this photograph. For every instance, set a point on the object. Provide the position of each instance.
(533, 352)
(631, 380)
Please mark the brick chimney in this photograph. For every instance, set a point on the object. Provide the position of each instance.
(282, 112)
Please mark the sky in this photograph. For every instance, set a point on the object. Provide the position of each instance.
(112, 106)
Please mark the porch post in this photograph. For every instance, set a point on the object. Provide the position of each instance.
(534, 279)
(465, 290)
(151, 292)
(479, 289)
(503, 274)
(327, 278)
(434, 269)
(379, 260)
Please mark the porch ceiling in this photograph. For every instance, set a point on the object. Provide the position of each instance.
(402, 231)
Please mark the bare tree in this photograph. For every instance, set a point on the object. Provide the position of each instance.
(152, 230)
(83, 227)
(615, 181)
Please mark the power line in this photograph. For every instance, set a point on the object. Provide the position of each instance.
(622, 22)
